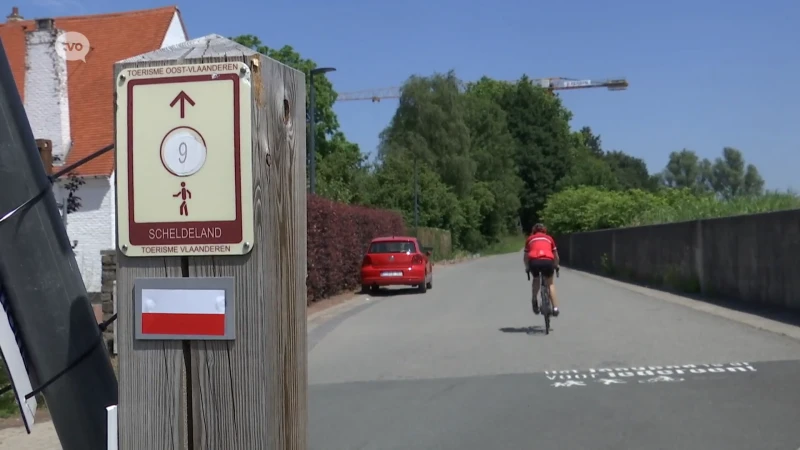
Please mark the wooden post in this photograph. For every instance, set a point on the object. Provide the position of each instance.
(45, 147)
(248, 393)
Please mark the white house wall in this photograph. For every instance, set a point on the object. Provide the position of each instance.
(92, 227)
(175, 33)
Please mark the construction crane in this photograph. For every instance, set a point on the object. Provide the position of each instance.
(552, 84)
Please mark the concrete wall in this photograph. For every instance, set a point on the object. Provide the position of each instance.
(753, 258)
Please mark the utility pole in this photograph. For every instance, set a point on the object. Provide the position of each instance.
(211, 252)
(416, 196)
(312, 154)
(45, 147)
(44, 288)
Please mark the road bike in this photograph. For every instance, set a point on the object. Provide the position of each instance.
(546, 308)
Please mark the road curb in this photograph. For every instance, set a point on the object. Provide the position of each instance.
(353, 301)
(752, 320)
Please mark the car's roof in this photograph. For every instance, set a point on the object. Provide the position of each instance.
(393, 239)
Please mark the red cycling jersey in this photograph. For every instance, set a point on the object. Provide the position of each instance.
(540, 246)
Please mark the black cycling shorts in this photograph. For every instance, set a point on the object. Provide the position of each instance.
(546, 267)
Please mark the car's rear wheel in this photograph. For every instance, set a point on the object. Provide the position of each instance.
(429, 284)
(423, 288)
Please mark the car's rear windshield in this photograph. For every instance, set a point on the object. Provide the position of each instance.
(392, 247)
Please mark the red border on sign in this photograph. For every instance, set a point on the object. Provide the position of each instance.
(231, 230)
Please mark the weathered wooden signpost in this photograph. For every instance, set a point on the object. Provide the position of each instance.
(211, 225)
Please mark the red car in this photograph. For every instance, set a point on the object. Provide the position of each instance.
(396, 261)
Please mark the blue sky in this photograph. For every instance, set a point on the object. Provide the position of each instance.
(703, 74)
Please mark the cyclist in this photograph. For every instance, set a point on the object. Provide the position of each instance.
(541, 259)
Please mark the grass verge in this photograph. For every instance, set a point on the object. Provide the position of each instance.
(507, 244)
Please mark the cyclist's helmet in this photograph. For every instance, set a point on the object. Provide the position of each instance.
(539, 228)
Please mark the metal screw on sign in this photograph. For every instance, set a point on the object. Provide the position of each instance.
(124, 248)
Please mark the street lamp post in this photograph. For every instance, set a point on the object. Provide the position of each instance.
(416, 196)
(312, 154)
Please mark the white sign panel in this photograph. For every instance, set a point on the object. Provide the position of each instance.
(16, 367)
(184, 160)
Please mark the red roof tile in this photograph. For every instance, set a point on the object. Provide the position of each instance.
(113, 37)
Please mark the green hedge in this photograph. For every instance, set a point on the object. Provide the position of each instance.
(590, 208)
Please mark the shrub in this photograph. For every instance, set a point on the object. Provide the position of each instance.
(8, 405)
(590, 208)
(338, 235)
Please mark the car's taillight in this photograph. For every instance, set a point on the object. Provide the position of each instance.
(366, 262)
(417, 259)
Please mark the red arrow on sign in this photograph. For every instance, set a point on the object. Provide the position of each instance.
(183, 98)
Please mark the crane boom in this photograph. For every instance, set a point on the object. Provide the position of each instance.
(613, 84)
(552, 84)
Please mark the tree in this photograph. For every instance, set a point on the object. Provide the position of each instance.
(592, 141)
(731, 179)
(492, 148)
(71, 184)
(630, 172)
(327, 122)
(391, 186)
(340, 174)
(592, 166)
(429, 122)
(540, 127)
(458, 135)
(340, 163)
(685, 170)
(587, 167)
(753, 183)
(727, 176)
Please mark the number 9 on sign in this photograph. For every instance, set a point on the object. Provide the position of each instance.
(183, 151)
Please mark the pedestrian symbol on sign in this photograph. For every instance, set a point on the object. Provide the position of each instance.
(184, 194)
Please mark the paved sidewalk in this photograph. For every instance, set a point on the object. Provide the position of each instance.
(43, 438)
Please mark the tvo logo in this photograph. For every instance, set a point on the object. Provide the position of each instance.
(72, 46)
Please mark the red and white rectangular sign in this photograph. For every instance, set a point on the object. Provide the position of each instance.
(196, 312)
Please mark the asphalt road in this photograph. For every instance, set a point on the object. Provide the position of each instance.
(465, 366)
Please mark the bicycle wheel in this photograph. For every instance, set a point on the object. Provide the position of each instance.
(546, 308)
